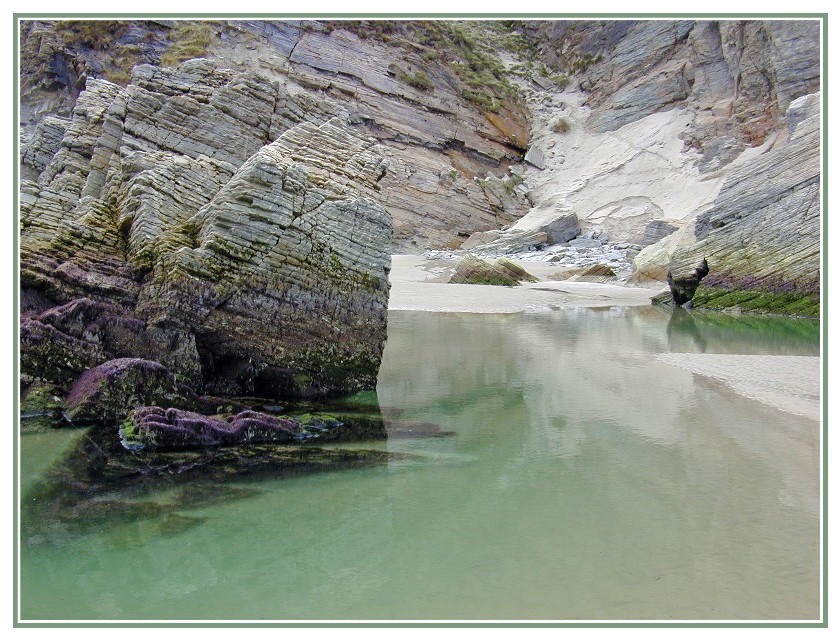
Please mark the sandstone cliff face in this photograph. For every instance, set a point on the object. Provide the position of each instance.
(674, 125)
(763, 232)
(181, 219)
(448, 157)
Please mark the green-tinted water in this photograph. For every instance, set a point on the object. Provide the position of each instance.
(583, 480)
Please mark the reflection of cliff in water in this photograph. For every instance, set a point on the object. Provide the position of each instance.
(714, 332)
(98, 483)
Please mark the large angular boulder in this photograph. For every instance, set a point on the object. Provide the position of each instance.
(185, 220)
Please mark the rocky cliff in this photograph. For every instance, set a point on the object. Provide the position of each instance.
(432, 94)
(624, 132)
(187, 220)
(761, 238)
(672, 130)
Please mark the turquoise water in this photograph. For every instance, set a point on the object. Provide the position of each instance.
(581, 479)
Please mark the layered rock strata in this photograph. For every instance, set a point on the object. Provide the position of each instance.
(181, 220)
(448, 156)
(763, 232)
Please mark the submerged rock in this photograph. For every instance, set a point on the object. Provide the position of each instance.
(98, 483)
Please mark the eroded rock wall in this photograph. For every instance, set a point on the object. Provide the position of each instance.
(763, 232)
(448, 157)
(244, 265)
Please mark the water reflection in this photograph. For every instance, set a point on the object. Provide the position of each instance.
(541, 466)
(97, 483)
(703, 331)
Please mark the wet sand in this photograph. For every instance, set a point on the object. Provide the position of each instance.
(787, 383)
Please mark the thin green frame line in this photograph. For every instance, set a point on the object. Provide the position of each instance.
(824, 310)
(17, 622)
(15, 314)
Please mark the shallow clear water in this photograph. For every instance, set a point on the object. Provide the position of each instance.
(583, 480)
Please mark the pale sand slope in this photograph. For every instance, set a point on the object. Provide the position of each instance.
(418, 284)
(788, 383)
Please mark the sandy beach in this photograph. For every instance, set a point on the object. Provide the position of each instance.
(786, 383)
(419, 284)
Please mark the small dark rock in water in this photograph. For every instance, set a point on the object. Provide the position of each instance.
(684, 287)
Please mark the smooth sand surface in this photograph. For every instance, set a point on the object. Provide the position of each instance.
(419, 284)
(788, 383)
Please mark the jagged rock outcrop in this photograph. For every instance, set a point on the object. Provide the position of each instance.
(448, 156)
(763, 232)
(169, 226)
(684, 285)
(657, 117)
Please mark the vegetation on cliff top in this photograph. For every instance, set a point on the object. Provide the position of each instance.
(462, 46)
(127, 46)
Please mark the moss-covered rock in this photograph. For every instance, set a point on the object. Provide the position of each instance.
(41, 407)
(503, 273)
(111, 391)
(752, 301)
(50, 355)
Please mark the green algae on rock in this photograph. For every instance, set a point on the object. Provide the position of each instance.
(755, 301)
(172, 229)
(504, 272)
(41, 407)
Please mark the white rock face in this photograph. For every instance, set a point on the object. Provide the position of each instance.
(616, 181)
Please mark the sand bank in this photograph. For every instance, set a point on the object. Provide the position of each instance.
(419, 284)
(788, 383)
